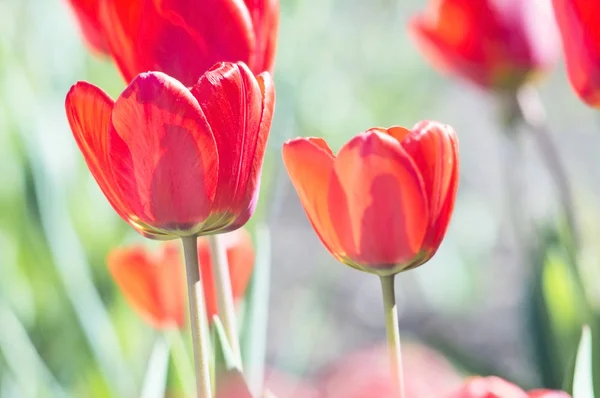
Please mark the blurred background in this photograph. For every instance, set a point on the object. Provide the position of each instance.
(342, 66)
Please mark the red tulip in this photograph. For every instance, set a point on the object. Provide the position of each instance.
(383, 204)
(182, 38)
(366, 374)
(87, 12)
(174, 161)
(494, 44)
(577, 20)
(276, 384)
(154, 283)
(283, 385)
(495, 387)
(489, 387)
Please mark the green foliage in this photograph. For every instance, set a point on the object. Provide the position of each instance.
(254, 329)
(583, 383)
(343, 66)
(229, 378)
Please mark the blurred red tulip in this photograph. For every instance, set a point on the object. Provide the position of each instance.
(494, 44)
(488, 387)
(366, 374)
(154, 283)
(384, 203)
(282, 385)
(578, 23)
(87, 13)
(182, 38)
(495, 387)
(174, 161)
(277, 384)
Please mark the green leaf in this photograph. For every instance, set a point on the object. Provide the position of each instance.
(155, 380)
(224, 358)
(254, 327)
(554, 313)
(583, 383)
(540, 325)
(228, 377)
(22, 358)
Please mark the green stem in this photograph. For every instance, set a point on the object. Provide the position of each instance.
(393, 333)
(516, 194)
(224, 294)
(198, 319)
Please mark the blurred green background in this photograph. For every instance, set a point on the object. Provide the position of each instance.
(342, 66)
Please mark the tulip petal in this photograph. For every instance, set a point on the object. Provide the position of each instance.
(386, 201)
(88, 16)
(172, 283)
(309, 163)
(493, 44)
(398, 132)
(439, 225)
(153, 287)
(240, 255)
(450, 53)
(476, 387)
(251, 191)
(177, 38)
(265, 20)
(433, 147)
(577, 20)
(125, 18)
(239, 111)
(163, 155)
(88, 111)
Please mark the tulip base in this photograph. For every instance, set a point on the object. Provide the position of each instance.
(393, 334)
(198, 318)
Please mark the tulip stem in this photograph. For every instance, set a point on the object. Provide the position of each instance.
(226, 308)
(532, 113)
(393, 333)
(515, 190)
(198, 319)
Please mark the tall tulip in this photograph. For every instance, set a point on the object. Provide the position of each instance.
(383, 204)
(153, 283)
(174, 161)
(494, 44)
(578, 23)
(182, 38)
(178, 162)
